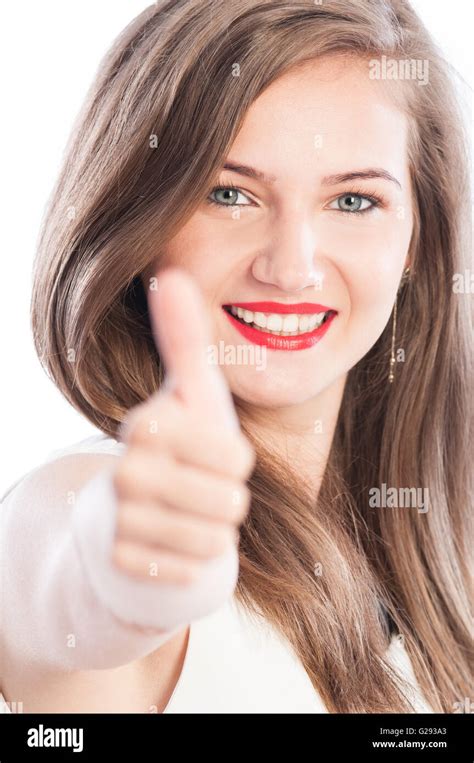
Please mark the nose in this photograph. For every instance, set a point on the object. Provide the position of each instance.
(291, 260)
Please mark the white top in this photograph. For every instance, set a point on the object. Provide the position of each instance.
(237, 662)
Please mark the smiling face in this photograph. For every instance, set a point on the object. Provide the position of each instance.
(309, 228)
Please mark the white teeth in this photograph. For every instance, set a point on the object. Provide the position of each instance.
(283, 325)
(304, 323)
(261, 320)
(290, 323)
(315, 321)
(274, 322)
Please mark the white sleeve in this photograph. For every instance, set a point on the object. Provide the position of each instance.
(145, 603)
(63, 603)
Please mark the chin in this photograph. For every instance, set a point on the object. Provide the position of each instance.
(265, 390)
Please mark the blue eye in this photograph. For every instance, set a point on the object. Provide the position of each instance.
(355, 203)
(352, 203)
(229, 196)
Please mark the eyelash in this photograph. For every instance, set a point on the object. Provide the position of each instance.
(376, 199)
(224, 188)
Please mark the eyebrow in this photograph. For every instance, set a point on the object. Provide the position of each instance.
(250, 172)
(343, 177)
(368, 174)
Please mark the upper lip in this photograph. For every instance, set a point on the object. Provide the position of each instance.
(279, 307)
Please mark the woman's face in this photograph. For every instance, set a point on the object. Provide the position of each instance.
(326, 223)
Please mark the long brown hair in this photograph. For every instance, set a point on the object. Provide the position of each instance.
(163, 111)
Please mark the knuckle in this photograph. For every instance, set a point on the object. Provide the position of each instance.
(189, 573)
(123, 477)
(130, 518)
(122, 520)
(218, 541)
(119, 556)
(132, 476)
(172, 535)
(165, 478)
(244, 456)
(240, 501)
(132, 426)
(144, 424)
(236, 455)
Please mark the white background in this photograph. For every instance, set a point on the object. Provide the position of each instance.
(50, 53)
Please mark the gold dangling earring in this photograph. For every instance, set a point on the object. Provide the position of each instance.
(391, 375)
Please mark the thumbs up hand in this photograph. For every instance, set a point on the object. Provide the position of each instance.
(181, 482)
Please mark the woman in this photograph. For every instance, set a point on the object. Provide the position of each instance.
(287, 178)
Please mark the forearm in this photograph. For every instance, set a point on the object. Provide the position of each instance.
(65, 605)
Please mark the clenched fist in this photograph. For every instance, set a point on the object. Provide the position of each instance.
(181, 482)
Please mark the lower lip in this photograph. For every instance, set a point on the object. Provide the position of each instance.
(273, 342)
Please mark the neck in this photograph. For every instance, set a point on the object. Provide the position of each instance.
(300, 434)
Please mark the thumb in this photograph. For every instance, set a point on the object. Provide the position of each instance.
(182, 336)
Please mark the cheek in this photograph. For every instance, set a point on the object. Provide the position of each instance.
(202, 254)
(370, 258)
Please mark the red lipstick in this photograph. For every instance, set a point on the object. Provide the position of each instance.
(273, 341)
(278, 307)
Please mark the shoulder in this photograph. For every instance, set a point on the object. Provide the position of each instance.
(64, 469)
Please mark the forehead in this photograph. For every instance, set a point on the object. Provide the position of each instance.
(326, 114)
